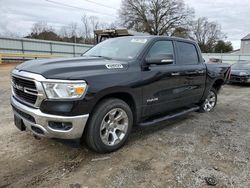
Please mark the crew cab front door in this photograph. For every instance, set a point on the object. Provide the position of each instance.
(161, 81)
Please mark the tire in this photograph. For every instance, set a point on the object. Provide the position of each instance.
(105, 131)
(209, 104)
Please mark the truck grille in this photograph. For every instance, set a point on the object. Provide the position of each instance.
(24, 90)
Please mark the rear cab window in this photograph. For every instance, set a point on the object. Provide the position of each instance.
(187, 53)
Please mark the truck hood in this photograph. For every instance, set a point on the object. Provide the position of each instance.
(72, 68)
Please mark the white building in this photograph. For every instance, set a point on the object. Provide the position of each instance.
(245, 45)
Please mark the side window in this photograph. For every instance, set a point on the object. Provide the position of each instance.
(161, 48)
(187, 53)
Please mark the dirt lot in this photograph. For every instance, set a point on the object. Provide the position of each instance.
(180, 153)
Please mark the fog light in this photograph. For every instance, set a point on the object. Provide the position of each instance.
(64, 126)
(37, 130)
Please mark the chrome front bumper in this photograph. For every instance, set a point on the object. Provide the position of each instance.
(42, 119)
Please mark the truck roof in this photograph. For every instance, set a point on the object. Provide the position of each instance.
(163, 37)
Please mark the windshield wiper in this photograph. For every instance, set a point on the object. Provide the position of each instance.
(104, 57)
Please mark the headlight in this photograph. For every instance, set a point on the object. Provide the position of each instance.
(65, 90)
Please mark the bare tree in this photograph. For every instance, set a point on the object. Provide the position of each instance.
(73, 29)
(91, 23)
(40, 27)
(64, 32)
(86, 27)
(94, 22)
(181, 32)
(156, 17)
(41, 30)
(206, 34)
(70, 31)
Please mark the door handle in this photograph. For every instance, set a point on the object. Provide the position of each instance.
(195, 72)
(175, 74)
(200, 71)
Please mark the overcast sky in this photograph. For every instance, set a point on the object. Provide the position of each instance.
(17, 16)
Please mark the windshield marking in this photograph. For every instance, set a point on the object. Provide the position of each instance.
(143, 41)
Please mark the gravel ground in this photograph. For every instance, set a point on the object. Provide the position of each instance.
(178, 153)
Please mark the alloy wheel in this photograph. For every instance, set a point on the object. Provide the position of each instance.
(114, 127)
(210, 101)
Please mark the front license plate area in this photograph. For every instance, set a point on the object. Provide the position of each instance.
(19, 123)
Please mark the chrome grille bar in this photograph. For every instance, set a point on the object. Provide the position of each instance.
(27, 88)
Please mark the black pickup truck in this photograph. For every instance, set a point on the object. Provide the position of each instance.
(118, 84)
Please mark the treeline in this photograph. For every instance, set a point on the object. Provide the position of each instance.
(173, 18)
(156, 17)
(73, 32)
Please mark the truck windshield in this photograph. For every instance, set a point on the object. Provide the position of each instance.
(124, 48)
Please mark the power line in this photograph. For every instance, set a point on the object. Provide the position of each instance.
(79, 8)
(100, 4)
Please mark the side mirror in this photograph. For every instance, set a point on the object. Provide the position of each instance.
(160, 59)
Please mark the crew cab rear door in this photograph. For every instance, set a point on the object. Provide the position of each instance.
(192, 71)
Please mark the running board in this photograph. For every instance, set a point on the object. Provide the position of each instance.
(168, 117)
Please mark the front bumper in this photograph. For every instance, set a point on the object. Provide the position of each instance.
(34, 120)
(239, 79)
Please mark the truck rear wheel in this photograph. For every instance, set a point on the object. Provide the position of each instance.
(109, 126)
(210, 102)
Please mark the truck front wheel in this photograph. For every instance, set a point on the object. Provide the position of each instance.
(109, 126)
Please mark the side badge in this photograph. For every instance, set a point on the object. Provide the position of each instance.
(114, 66)
(152, 100)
